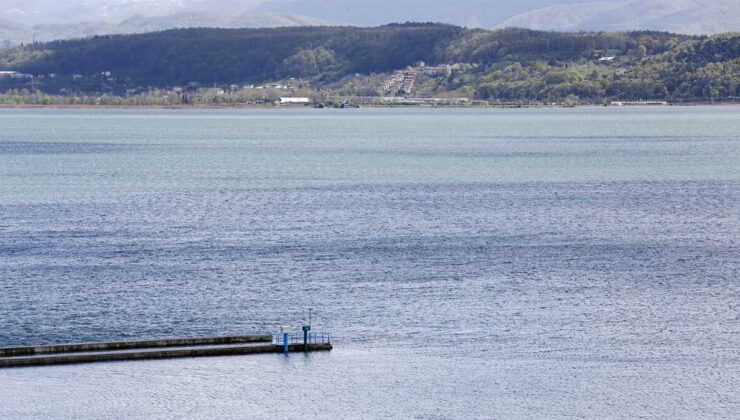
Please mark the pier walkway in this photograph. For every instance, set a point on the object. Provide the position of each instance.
(151, 349)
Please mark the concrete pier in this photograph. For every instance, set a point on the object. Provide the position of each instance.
(124, 345)
(146, 350)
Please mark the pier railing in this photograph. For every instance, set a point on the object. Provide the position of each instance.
(297, 338)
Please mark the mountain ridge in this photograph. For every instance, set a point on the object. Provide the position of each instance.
(102, 17)
(18, 33)
(694, 17)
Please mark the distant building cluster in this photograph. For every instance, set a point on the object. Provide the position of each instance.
(402, 82)
(406, 101)
(289, 84)
(409, 79)
(441, 70)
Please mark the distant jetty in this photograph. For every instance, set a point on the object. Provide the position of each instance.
(638, 103)
(158, 349)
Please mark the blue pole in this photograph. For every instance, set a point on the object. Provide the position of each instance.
(285, 343)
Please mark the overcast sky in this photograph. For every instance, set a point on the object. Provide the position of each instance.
(372, 11)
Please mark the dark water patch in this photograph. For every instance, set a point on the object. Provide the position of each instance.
(44, 148)
(609, 138)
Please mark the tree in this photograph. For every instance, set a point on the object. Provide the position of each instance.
(571, 101)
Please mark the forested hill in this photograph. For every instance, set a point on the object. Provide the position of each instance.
(234, 55)
(506, 65)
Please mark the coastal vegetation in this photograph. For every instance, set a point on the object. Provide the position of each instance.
(214, 66)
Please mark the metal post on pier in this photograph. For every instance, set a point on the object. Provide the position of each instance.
(286, 332)
(306, 329)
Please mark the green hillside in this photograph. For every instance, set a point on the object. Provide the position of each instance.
(504, 65)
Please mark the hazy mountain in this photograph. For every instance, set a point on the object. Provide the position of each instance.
(485, 13)
(24, 20)
(7, 26)
(17, 33)
(272, 20)
(471, 13)
(41, 12)
(55, 19)
(681, 16)
(214, 20)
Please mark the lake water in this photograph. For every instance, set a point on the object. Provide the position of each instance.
(469, 263)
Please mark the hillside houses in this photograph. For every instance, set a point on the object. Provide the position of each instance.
(394, 83)
(441, 70)
(409, 79)
(402, 82)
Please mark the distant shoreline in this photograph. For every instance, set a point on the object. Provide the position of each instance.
(4, 106)
(293, 107)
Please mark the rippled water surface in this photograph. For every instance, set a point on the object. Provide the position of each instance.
(469, 263)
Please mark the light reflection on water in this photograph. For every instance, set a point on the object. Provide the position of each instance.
(357, 383)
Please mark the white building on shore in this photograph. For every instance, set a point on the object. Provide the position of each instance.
(294, 100)
(15, 75)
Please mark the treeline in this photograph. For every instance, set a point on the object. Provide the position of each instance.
(512, 65)
(525, 45)
(648, 67)
(160, 97)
